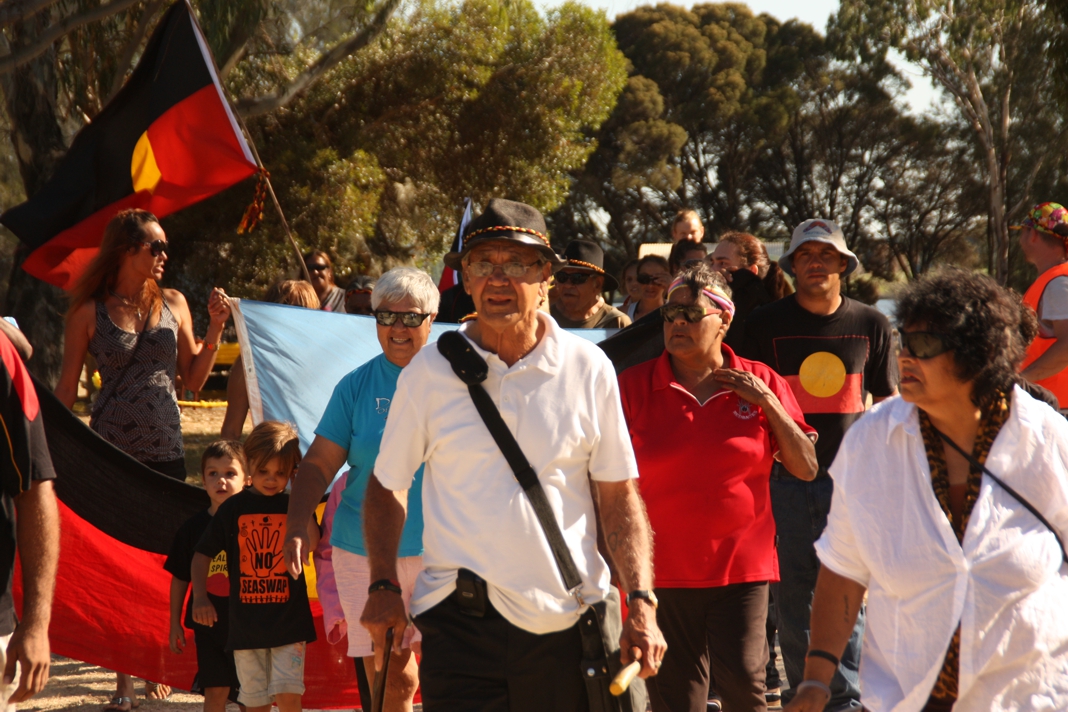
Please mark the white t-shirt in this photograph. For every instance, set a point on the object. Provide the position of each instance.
(1006, 586)
(561, 401)
(1053, 306)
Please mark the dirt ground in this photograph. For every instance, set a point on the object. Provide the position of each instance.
(81, 687)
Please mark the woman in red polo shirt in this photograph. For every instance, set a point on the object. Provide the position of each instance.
(706, 425)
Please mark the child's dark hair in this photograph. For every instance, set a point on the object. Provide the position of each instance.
(272, 438)
(225, 448)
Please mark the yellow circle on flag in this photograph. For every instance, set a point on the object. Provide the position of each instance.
(822, 374)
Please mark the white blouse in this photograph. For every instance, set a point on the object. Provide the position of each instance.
(1006, 585)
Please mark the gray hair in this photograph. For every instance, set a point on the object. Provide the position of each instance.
(401, 282)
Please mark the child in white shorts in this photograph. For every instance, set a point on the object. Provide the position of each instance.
(270, 616)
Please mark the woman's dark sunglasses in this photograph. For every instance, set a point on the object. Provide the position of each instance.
(692, 314)
(921, 344)
(157, 247)
(409, 319)
(575, 278)
(647, 279)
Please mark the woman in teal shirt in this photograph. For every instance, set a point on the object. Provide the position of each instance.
(405, 302)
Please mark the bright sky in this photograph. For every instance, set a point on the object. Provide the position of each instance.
(814, 12)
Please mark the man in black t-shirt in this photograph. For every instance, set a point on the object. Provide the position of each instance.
(834, 352)
(30, 525)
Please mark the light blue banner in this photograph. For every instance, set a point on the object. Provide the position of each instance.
(293, 357)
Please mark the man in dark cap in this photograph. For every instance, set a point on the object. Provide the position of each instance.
(579, 287)
(500, 629)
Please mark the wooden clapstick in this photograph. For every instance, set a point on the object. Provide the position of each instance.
(624, 677)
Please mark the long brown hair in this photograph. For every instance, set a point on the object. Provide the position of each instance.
(123, 235)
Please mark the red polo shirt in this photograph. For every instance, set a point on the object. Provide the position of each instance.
(704, 474)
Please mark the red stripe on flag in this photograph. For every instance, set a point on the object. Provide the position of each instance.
(448, 279)
(847, 400)
(112, 609)
(63, 258)
(197, 152)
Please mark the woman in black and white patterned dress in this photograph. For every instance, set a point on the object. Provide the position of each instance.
(141, 337)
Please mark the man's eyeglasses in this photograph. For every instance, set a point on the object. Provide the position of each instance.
(575, 278)
(318, 268)
(692, 313)
(921, 344)
(510, 269)
(157, 247)
(409, 319)
(649, 279)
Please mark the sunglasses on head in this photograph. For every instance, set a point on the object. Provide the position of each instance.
(647, 279)
(575, 278)
(409, 319)
(318, 268)
(157, 247)
(921, 344)
(692, 313)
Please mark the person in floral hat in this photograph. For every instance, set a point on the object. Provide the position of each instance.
(1044, 242)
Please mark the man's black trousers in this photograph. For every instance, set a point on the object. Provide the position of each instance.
(489, 665)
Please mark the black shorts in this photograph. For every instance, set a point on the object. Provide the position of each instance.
(215, 662)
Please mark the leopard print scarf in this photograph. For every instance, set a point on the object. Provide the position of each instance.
(945, 690)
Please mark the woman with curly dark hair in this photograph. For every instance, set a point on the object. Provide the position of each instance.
(949, 504)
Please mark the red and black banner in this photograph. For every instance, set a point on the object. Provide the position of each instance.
(166, 141)
(118, 519)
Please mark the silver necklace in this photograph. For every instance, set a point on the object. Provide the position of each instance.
(127, 303)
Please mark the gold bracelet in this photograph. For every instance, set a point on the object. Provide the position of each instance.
(211, 347)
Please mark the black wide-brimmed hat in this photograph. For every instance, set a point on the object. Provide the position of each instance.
(587, 255)
(511, 221)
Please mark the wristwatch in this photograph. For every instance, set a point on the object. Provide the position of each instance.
(641, 593)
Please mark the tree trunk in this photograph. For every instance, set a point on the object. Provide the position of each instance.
(31, 95)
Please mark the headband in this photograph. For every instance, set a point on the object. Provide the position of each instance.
(714, 294)
(507, 228)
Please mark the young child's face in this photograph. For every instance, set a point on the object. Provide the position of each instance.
(223, 478)
(270, 477)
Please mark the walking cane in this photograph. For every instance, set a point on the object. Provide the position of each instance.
(379, 692)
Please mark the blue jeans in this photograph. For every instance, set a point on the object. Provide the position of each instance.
(801, 510)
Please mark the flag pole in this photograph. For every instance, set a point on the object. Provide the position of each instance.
(274, 198)
(264, 176)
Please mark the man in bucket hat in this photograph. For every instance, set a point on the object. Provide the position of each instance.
(579, 286)
(1044, 242)
(834, 352)
(499, 627)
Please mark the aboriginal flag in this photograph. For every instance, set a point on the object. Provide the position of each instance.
(449, 276)
(167, 140)
(118, 519)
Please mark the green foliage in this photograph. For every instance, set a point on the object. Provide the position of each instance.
(758, 125)
(372, 164)
(997, 60)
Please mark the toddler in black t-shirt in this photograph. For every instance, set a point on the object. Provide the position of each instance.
(270, 616)
(222, 467)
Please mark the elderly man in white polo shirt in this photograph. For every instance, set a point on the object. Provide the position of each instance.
(520, 648)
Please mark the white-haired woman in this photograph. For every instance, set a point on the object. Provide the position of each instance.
(405, 302)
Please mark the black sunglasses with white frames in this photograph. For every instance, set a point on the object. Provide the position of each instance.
(921, 344)
(409, 319)
(157, 247)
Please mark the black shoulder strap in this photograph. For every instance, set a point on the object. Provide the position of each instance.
(1016, 495)
(472, 370)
